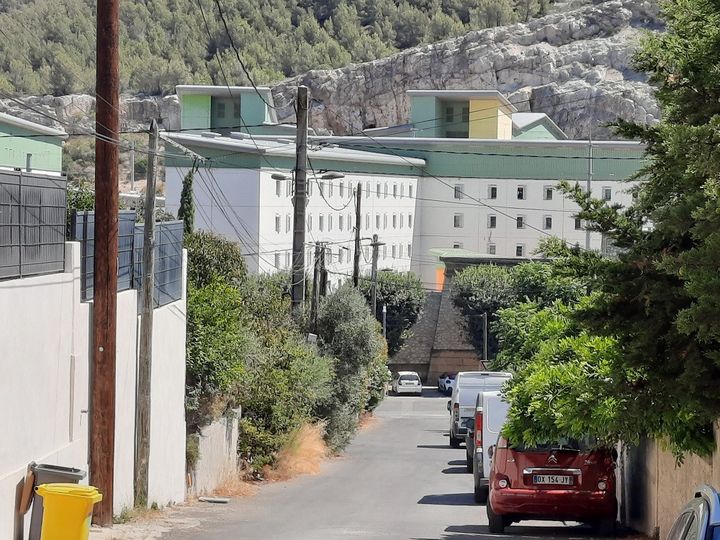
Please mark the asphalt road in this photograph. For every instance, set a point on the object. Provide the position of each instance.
(399, 479)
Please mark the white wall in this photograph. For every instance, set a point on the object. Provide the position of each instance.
(437, 207)
(218, 458)
(226, 202)
(44, 387)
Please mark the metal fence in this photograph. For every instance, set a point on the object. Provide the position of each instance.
(168, 261)
(32, 224)
(83, 231)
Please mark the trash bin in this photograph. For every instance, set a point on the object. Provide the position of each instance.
(68, 510)
(49, 474)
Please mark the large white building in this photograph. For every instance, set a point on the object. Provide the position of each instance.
(469, 172)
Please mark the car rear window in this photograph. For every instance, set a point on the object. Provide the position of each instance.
(577, 445)
(409, 377)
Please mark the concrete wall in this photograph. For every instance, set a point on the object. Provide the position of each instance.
(658, 488)
(218, 461)
(44, 388)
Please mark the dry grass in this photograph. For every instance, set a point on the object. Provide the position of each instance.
(367, 421)
(303, 454)
(232, 485)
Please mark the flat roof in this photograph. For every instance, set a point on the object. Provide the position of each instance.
(215, 90)
(463, 95)
(285, 147)
(31, 126)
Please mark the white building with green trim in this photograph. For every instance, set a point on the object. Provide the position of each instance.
(467, 172)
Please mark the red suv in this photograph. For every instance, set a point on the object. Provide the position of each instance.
(567, 481)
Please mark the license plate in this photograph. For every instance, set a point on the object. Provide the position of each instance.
(552, 479)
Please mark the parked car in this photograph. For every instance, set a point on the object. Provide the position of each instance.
(468, 384)
(569, 480)
(444, 382)
(483, 431)
(700, 519)
(407, 382)
(450, 383)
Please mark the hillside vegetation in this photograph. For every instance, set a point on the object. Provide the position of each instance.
(49, 46)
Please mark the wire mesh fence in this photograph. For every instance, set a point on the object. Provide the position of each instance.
(32, 224)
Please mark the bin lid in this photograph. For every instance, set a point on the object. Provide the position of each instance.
(70, 490)
(46, 467)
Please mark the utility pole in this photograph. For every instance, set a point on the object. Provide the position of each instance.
(358, 219)
(104, 336)
(132, 167)
(485, 339)
(373, 276)
(300, 201)
(316, 288)
(144, 376)
(323, 271)
(589, 187)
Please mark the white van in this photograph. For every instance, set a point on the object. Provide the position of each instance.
(491, 412)
(468, 384)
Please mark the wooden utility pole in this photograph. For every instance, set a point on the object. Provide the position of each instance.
(102, 387)
(316, 288)
(323, 271)
(300, 202)
(373, 276)
(356, 261)
(144, 375)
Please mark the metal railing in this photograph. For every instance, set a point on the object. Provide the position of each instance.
(32, 224)
(168, 261)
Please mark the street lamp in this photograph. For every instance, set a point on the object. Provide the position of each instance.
(329, 175)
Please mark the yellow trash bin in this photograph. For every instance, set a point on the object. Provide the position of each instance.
(68, 510)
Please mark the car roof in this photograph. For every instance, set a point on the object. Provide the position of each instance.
(711, 496)
(407, 372)
(486, 373)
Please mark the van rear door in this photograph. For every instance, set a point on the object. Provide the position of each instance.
(495, 410)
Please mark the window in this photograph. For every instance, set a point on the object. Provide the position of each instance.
(330, 189)
(385, 191)
(288, 188)
(402, 190)
(287, 259)
(449, 114)
(377, 222)
(578, 224)
(340, 254)
(492, 249)
(384, 221)
(521, 194)
(277, 260)
(342, 189)
(410, 192)
(458, 221)
(309, 222)
(400, 249)
(385, 251)
(547, 223)
(410, 220)
(607, 193)
(394, 221)
(341, 222)
(395, 191)
(466, 114)
(278, 187)
(457, 245)
(492, 222)
(349, 222)
(367, 221)
(492, 192)
(277, 223)
(548, 193)
(321, 184)
(330, 220)
(459, 191)
(288, 221)
(409, 250)
(402, 220)
(310, 188)
(321, 222)
(377, 190)
(520, 222)
(520, 250)
(367, 189)
(236, 110)
(394, 251)
(221, 113)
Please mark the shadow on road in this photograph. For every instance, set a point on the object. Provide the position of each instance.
(449, 499)
(435, 446)
(456, 462)
(481, 532)
(455, 470)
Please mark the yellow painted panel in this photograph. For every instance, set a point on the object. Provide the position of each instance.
(484, 118)
(504, 124)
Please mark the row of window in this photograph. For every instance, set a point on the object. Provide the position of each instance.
(395, 221)
(327, 189)
(344, 254)
(522, 192)
(520, 222)
(492, 248)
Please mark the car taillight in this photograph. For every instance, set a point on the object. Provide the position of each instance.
(478, 428)
(456, 410)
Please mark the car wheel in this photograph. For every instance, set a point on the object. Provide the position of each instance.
(454, 442)
(605, 527)
(496, 523)
(481, 494)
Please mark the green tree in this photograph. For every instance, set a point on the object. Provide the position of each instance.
(403, 296)
(210, 256)
(186, 211)
(489, 13)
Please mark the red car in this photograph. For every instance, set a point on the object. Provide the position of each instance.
(566, 481)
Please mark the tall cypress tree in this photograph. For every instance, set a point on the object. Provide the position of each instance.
(186, 212)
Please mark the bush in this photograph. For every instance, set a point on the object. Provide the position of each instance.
(211, 256)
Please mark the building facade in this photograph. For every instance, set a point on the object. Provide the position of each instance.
(467, 172)
(24, 143)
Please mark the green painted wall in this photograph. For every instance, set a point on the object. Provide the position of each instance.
(16, 143)
(424, 113)
(254, 110)
(195, 112)
(536, 133)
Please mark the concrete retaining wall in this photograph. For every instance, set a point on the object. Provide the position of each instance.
(218, 461)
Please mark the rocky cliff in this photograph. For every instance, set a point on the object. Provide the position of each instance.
(574, 66)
